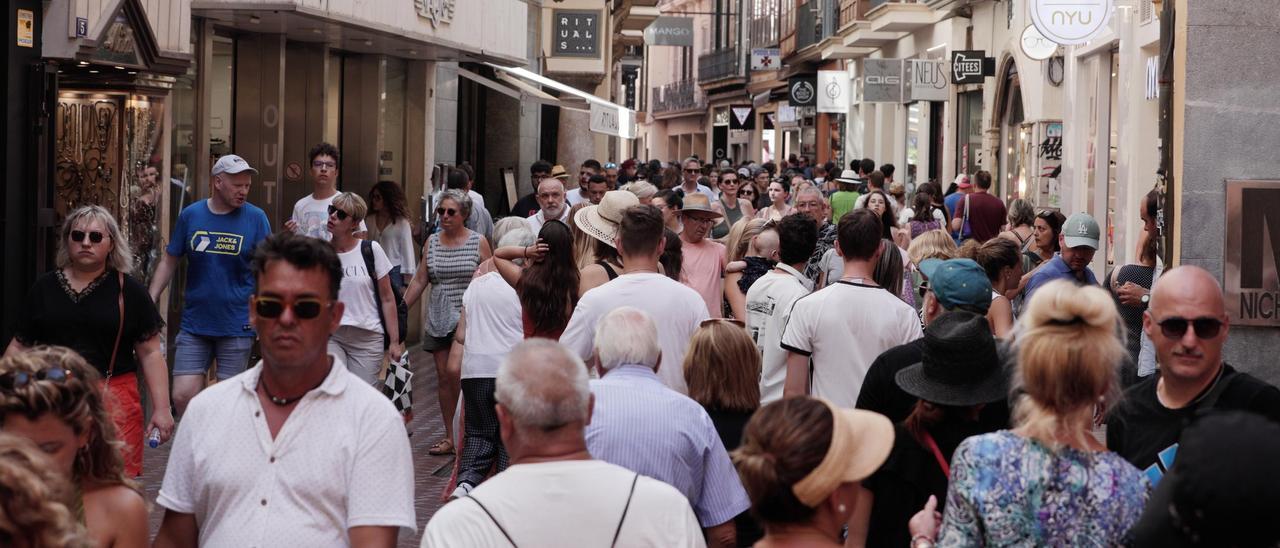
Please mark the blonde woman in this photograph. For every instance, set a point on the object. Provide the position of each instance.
(33, 510)
(752, 248)
(1049, 481)
(50, 395)
(934, 244)
(81, 305)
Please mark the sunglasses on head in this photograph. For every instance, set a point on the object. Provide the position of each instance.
(734, 321)
(305, 308)
(342, 215)
(446, 211)
(94, 236)
(18, 379)
(1205, 328)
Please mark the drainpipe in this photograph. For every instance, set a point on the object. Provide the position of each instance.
(1165, 215)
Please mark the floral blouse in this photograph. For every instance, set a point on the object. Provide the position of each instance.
(1006, 490)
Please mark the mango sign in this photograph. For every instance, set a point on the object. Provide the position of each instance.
(1071, 22)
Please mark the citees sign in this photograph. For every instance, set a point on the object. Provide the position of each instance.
(802, 91)
(971, 66)
(670, 31)
(927, 80)
(1250, 277)
(882, 80)
(575, 33)
(1070, 22)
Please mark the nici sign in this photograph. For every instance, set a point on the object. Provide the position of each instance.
(1250, 278)
(1070, 22)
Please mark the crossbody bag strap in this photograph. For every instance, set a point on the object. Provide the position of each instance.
(115, 350)
(937, 453)
(493, 519)
(626, 508)
(366, 251)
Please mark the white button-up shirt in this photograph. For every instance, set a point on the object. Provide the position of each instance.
(340, 460)
(540, 218)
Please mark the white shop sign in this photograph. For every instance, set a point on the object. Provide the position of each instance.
(927, 80)
(833, 91)
(615, 121)
(1035, 45)
(1070, 22)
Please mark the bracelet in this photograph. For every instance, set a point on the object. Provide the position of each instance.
(921, 541)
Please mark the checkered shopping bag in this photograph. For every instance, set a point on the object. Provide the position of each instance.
(398, 386)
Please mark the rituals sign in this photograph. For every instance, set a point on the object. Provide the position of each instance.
(575, 34)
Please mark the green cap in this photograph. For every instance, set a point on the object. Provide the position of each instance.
(1081, 230)
(958, 283)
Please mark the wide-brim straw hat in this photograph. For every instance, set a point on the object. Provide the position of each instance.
(697, 202)
(860, 443)
(601, 221)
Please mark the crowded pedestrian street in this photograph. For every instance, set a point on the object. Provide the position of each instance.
(639, 273)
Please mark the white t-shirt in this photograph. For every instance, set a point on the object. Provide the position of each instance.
(340, 461)
(494, 325)
(843, 328)
(674, 307)
(566, 503)
(862, 202)
(574, 197)
(769, 303)
(905, 215)
(357, 288)
(397, 242)
(312, 216)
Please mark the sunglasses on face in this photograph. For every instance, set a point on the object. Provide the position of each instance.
(19, 379)
(305, 308)
(924, 288)
(692, 170)
(446, 211)
(1205, 328)
(342, 215)
(94, 236)
(734, 321)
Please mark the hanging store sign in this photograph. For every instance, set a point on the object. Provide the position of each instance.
(618, 122)
(670, 31)
(882, 80)
(971, 66)
(771, 120)
(575, 34)
(742, 117)
(439, 12)
(833, 91)
(1035, 45)
(26, 28)
(1250, 276)
(802, 91)
(1070, 22)
(927, 80)
(765, 59)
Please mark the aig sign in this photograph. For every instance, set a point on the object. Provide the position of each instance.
(1253, 248)
(1070, 22)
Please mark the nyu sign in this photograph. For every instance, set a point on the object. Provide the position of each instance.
(1250, 277)
(1070, 22)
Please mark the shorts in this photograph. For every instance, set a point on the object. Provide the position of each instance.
(193, 353)
(430, 343)
(361, 350)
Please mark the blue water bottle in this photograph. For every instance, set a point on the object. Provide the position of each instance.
(154, 439)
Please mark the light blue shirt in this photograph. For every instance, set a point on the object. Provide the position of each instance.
(640, 424)
(1055, 269)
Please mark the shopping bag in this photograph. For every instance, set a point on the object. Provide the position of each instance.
(398, 385)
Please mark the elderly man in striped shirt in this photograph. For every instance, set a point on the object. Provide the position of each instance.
(642, 425)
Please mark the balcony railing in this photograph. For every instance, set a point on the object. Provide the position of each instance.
(678, 96)
(815, 22)
(763, 32)
(719, 64)
(852, 10)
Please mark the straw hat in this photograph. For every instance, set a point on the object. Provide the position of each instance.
(601, 221)
(697, 202)
(558, 172)
(860, 443)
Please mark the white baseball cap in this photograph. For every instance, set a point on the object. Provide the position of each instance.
(232, 164)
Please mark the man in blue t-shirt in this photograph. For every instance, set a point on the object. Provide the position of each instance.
(1079, 241)
(218, 237)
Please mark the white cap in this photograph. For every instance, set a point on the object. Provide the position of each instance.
(232, 164)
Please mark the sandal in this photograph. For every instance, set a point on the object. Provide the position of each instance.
(442, 447)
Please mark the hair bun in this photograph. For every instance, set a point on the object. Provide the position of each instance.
(1062, 303)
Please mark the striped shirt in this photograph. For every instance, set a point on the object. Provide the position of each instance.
(449, 270)
(640, 424)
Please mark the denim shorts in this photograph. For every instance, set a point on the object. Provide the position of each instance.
(193, 353)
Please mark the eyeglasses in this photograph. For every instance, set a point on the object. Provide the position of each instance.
(446, 212)
(94, 236)
(698, 220)
(712, 321)
(692, 170)
(342, 215)
(305, 308)
(1175, 328)
(324, 165)
(18, 379)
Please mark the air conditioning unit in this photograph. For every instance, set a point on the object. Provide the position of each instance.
(1146, 12)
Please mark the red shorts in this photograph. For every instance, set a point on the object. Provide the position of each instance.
(125, 405)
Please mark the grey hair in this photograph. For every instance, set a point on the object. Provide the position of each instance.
(642, 189)
(543, 385)
(627, 336)
(1021, 213)
(810, 189)
(120, 258)
(508, 224)
(522, 237)
(459, 197)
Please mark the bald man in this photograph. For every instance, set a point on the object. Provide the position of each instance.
(554, 492)
(1187, 323)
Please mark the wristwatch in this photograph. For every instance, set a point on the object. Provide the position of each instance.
(1146, 299)
(921, 541)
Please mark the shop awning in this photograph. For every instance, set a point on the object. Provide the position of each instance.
(520, 91)
(607, 117)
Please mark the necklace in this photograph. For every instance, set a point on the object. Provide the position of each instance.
(284, 401)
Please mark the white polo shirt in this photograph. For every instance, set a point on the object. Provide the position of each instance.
(340, 460)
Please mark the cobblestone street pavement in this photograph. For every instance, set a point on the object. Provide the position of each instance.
(430, 472)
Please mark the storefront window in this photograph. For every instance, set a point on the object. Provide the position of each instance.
(969, 122)
(913, 145)
(1014, 138)
(391, 125)
(222, 97)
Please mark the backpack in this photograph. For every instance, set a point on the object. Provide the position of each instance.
(402, 310)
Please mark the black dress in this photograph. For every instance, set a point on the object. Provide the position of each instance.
(730, 424)
(1132, 315)
(87, 322)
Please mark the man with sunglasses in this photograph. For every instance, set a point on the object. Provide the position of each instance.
(689, 184)
(243, 471)
(311, 212)
(217, 236)
(1187, 322)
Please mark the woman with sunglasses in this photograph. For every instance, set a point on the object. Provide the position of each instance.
(730, 205)
(91, 305)
(749, 193)
(50, 395)
(361, 341)
(449, 259)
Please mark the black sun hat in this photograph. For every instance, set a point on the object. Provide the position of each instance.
(961, 365)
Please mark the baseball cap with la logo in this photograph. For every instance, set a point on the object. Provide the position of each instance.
(1081, 230)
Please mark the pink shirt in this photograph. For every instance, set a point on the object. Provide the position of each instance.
(703, 270)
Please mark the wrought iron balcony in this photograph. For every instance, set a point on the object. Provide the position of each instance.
(678, 96)
(720, 64)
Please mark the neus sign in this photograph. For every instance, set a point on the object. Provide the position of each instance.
(1070, 22)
